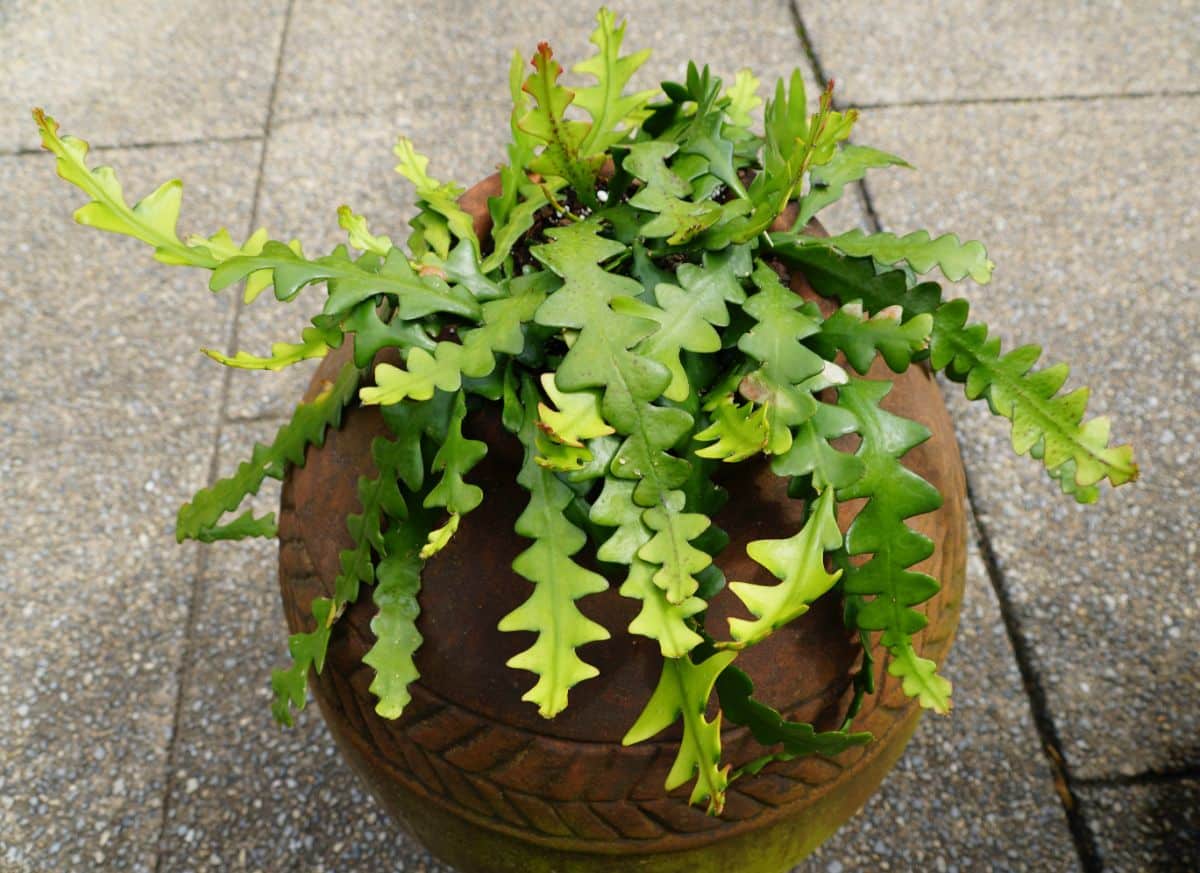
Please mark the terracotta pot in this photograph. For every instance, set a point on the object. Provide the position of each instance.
(489, 786)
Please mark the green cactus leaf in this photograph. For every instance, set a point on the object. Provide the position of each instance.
(682, 693)
(799, 562)
(558, 581)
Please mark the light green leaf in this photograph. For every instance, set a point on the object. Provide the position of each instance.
(456, 457)
(743, 98)
(613, 112)
(601, 357)
(704, 134)
(550, 611)
(546, 121)
(671, 549)
(779, 324)
(350, 281)
(953, 257)
(682, 693)
(316, 343)
(736, 432)
(615, 508)
(439, 538)
(222, 247)
(382, 506)
(786, 363)
(398, 582)
(660, 619)
(893, 494)
(687, 314)
(1047, 425)
(307, 651)
(794, 144)
(440, 198)
(360, 235)
(577, 417)
(381, 503)
(519, 220)
(799, 562)
(462, 267)
(920, 679)
(151, 220)
(854, 280)
(501, 333)
(678, 219)
(849, 164)
(199, 519)
(558, 457)
(812, 454)
(371, 333)
(520, 152)
(860, 337)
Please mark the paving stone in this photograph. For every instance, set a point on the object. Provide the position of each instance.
(454, 56)
(1094, 234)
(93, 599)
(107, 423)
(246, 793)
(138, 72)
(897, 52)
(1153, 828)
(968, 784)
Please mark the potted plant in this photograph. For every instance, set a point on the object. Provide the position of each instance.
(591, 389)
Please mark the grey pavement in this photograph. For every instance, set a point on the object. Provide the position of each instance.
(136, 734)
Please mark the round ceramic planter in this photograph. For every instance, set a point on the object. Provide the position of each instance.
(489, 786)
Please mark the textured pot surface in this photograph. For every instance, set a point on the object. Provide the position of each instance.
(490, 786)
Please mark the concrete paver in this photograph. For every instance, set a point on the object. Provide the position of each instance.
(139, 72)
(951, 50)
(107, 423)
(1151, 827)
(432, 56)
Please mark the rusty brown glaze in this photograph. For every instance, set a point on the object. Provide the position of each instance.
(491, 787)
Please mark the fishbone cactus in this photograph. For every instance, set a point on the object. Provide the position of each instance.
(626, 318)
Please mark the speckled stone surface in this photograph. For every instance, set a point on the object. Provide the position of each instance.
(949, 50)
(1094, 241)
(453, 56)
(94, 616)
(107, 421)
(1151, 828)
(968, 782)
(138, 72)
